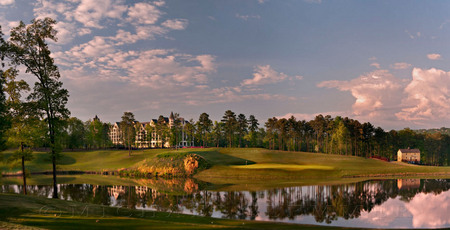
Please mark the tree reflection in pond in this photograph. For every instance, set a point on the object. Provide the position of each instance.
(334, 204)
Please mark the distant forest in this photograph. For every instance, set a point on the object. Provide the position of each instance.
(323, 134)
(442, 130)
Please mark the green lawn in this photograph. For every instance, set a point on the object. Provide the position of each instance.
(29, 212)
(241, 165)
(269, 167)
(85, 161)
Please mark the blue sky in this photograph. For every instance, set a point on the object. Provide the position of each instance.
(379, 61)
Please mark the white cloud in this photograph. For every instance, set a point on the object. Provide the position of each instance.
(84, 31)
(148, 32)
(143, 13)
(444, 24)
(247, 17)
(159, 3)
(90, 13)
(381, 97)
(376, 65)
(412, 36)
(434, 56)
(151, 68)
(400, 65)
(6, 25)
(428, 96)
(52, 9)
(266, 75)
(65, 32)
(376, 93)
(6, 2)
(176, 24)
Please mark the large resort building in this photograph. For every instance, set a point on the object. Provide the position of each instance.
(144, 139)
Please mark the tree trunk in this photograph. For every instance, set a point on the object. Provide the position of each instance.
(55, 187)
(23, 171)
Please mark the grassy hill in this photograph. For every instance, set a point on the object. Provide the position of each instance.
(238, 165)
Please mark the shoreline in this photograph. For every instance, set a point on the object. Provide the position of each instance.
(116, 173)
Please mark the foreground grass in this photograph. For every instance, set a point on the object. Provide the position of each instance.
(28, 212)
(70, 179)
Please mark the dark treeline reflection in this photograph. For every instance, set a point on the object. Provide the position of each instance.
(325, 203)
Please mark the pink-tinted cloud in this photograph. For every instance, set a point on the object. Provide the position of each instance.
(90, 13)
(428, 96)
(266, 75)
(430, 210)
(376, 65)
(144, 13)
(176, 24)
(374, 92)
(6, 2)
(434, 56)
(400, 65)
(386, 214)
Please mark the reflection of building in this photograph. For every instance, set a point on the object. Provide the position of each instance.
(116, 191)
(408, 183)
(409, 155)
(119, 190)
(148, 135)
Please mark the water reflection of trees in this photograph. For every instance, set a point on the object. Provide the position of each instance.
(325, 203)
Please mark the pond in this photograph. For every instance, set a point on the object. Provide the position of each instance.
(401, 203)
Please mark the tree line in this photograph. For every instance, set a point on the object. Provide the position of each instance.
(323, 134)
(347, 136)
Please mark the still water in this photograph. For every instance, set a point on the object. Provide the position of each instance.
(402, 203)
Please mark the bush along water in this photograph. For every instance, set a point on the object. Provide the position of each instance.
(168, 165)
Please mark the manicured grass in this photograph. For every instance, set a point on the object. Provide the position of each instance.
(29, 212)
(288, 167)
(342, 169)
(85, 161)
(71, 179)
(241, 165)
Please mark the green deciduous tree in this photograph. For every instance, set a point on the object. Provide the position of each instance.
(26, 128)
(29, 48)
(76, 133)
(162, 129)
(4, 118)
(128, 130)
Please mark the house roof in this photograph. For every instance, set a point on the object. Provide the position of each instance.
(410, 150)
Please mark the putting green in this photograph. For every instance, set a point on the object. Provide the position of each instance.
(283, 166)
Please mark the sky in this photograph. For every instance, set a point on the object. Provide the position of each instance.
(384, 62)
